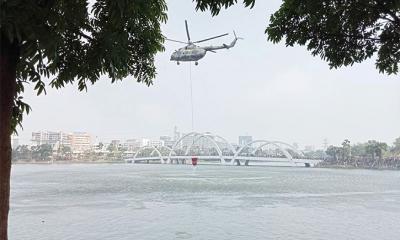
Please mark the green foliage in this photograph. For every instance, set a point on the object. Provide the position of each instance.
(396, 145)
(359, 150)
(21, 152)
(346, 149)
(70, 41)
(372, 148)
(215, 6)
(65, 149)
(42, 152)
(341, 32)
(112, 148)
(333, 151)
(376, 148)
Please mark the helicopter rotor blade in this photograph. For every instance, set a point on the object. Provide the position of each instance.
(187, 31)
(211, 38)
(172, 40)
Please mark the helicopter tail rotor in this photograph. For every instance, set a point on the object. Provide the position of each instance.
(187, 31)
(236, 37)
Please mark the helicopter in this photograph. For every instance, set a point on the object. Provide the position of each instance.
(193, 53)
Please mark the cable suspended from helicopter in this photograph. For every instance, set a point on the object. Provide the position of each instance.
(193, 53)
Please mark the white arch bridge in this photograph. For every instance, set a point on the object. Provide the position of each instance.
(220, 151)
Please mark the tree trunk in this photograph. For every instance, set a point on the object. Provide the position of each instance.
(9, 53)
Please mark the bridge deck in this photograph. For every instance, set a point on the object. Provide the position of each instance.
(226, 158)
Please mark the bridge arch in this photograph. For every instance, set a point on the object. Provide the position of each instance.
(197, 137)
(231, 148)
(280, 143)
(291, 147)
(206, 136)
(264, 143)
(149, 147)
(160, 148)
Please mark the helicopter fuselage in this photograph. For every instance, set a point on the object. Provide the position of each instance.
(192, 52)
(188, 54)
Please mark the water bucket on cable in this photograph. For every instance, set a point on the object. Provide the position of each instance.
(194, 161)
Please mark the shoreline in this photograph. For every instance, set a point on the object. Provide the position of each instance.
(353, 167)
(123, 162)
(66, 162)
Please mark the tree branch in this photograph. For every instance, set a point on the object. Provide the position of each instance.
(85, 36)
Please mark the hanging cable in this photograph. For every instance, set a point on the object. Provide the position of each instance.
(191, 92)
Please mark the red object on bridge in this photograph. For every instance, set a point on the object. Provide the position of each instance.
(194, 161)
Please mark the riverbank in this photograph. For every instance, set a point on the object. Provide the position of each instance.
(384, 164)
(319, 165)
(67, 162)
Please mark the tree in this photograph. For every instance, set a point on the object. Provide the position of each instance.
(370, 148)
(346, 150)
(359, 150)
(342, 32)
(66, 151)
(375, 148)
(42, 152)
(396, 145)
(22, 152)
(112, 148)
(100, 146)
(334, 152)
(61, 41)
(380, 149)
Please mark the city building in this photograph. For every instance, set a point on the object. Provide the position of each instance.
(243, 140)
(81, 141)
(167, 141)
(51, 138)
(132, 144)
(115, 142)
(155, 143)
(78, 141)
(144, 142)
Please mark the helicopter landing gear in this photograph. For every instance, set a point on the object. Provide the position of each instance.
(177, 63)
(196, 63)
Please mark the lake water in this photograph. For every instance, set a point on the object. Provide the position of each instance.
(128, 201)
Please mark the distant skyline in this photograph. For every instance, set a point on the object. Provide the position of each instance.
(256, 88)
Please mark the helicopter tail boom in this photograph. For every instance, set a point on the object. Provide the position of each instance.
(224, 46)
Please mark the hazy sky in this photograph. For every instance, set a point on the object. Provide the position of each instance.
(257, 88)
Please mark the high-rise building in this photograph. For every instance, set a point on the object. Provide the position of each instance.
(39, 138)
(243, 140)
(78, 141)
(51, 138)
(81, 141)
